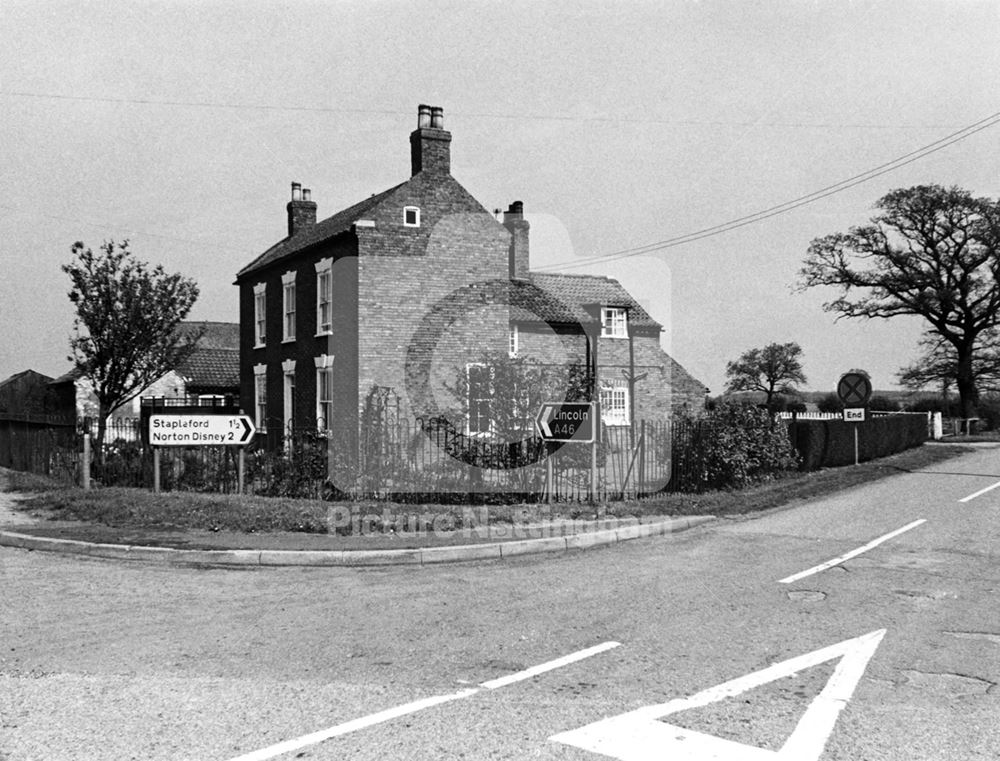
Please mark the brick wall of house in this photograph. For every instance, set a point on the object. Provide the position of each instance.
(555, 348)
(342, 344)
(413, 279)
(666, 387)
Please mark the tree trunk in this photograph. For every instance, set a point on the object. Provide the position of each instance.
(965, 380)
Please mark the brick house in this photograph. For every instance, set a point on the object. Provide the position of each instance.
(403, 289)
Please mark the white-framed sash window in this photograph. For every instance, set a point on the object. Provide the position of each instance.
(615, 403)
(288, 412)
(324, 392)
(260, 396)
(260, 315)
(288, 306)
(324, 297)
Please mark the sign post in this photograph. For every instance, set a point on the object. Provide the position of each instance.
(198, 430)
(569, 422)
(854, 389)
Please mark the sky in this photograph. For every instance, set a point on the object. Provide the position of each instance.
(180, 126)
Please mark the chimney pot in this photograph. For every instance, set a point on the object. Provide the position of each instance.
(301, 210)
(429, 143)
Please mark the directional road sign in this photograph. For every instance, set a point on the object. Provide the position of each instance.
(200, 430)
(566, 421)
(854, 389)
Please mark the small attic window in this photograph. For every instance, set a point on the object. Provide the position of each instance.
(411, 216)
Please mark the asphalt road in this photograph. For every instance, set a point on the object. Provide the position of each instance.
(108, 660)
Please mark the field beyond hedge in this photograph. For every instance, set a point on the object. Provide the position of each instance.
(124, 508)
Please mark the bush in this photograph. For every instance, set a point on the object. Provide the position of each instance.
(786, 403)
(989, 411)
(830, 403)
(733, 446)
(883, 404)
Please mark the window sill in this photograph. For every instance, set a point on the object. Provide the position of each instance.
(287, 340)
(608, 335)
(324, 333)
(259, 346)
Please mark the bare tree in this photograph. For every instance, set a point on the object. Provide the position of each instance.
(937, 365)
(126, 326)
(775, 369)
(931, 252)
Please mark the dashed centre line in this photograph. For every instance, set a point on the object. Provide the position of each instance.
(418, 705)
(979, 493)
(853, 553)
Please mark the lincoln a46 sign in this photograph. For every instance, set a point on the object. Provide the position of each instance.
(566, 421)
(200, 430)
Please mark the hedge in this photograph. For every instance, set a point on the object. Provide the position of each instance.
(830, 443)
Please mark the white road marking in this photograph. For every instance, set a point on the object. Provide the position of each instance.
(980, 492)
(543, 667)
(353, 726)
(640, 735)
(851, 554)
(417, 705)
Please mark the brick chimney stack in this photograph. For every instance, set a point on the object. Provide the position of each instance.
(513, 220)
(301, 210)
(430, 143)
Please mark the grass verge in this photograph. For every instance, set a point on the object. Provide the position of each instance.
(137, 510)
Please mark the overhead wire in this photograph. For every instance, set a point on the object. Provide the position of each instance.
(618, 119)
(787, 206)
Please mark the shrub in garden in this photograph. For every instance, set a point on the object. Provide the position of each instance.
(733, 446)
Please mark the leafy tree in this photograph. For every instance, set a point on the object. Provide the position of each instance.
(126, 326)
(775, 369)
(931, 252)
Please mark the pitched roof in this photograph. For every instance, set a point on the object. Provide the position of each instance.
(42, 378)
(339, 223)
(214, 335)
(212, 367)
(558, 298)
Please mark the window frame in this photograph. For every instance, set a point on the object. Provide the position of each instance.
(288, 325)
(260, 397)
(416, 212)
(324, 370)
(478, 430)
(513, 341)
(324, 269)
(613, 414)
(288, 396)
(260, 315)
(611, 319)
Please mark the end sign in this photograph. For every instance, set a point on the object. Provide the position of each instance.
(566, 421)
